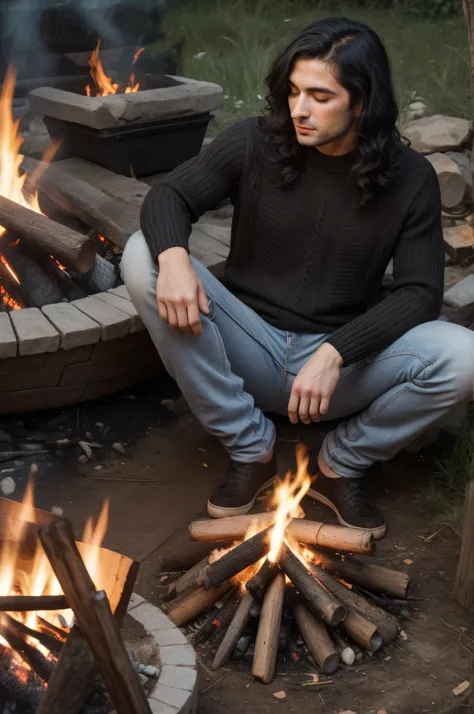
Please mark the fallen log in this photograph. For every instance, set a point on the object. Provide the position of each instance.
(317, 640)
(27, 603)
(323, 535)
(234, 632)
(30, 654)
(185, 608)
(361, 631)
(266, 645)
(237, 559)
(385, 623)
(73, 249)
(320, 601)
(368, 575)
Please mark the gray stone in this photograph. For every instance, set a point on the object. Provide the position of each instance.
(437, 133)
(161, 708)
(188, 97)
(173, 636)
(113, 322)
(74, 326)
(151, 617)
(453, 186)
(126, 306)
(8, 342)
(170, 695)
(34, 332)
(459, 242)
(463, 160)
(178, 655)
(121, 291)
(461, 294)
(180, 677)
(135, 601)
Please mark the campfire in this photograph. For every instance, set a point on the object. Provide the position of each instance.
(42, 261)
(104, 85)
(280, 574)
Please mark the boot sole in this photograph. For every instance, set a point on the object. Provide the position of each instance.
(378, 532)
(225, 512)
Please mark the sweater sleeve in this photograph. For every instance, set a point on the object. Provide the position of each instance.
(418, 272)
(196, 186)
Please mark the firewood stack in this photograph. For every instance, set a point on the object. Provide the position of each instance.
(288, 571)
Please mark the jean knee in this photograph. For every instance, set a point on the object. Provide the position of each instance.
(458, 353)
(138, 270)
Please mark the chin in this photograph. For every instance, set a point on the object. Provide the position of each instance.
(306, 140)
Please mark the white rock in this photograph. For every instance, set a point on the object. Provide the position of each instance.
(7, 486)
(118, 447)
(348, 656)
(57, 511)
(452, 183)
(437, 133)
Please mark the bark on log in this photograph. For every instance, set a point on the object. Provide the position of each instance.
(53, 644)
(189, 580)
(361, 631)
(184, 609)
(237, 559)
(309, 532)
(266, 645)
(386, 624)
(95, 619)
(261, 580)
(320, 601)
(26, 603)
(70, 248)
(463, 590)
(30, 654)
(368, 575)
(317, 640)
(182, 556)
(234, 632)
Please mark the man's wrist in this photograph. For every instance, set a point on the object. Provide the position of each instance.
(332, 353)
(173, 255)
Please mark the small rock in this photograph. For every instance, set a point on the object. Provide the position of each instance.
(99, 467)
(415, 110)
(57, 511)
(348, 656)
(168, 403)
(461, 294)
(83, 458)
(99, 424)
(86, 448)
(7, 486)
(63, 441)
(403, 635)
(461, 688)
(18, 463)
(459, 242)
(408, 561)
(387, 658)
(437, 133)
(118, 447)
(279, 695)
(151, 671)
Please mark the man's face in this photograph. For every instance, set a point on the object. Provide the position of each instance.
(319, 105)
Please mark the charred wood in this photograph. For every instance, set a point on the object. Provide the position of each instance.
(37, 287)
(237, 559)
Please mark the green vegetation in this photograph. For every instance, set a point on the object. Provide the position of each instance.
(232, 42)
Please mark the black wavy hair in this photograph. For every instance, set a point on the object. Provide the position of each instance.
(362, 68)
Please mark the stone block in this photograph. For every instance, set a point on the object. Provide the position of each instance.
(461, 294)
(178, 655)
(437, 133)
(76, 328)
(136, 324)
(135, 601)
(72, 356)
(34, 399)
(172, 636)
(20, 379)
(170, 695)
(130, 342)
(121, 291)
(95, 390)
(161, 708)
(459, 242)
(8, 342)
(35, 334)
(68, 106)
(113, 322)
(151, 617)
(179, 677)
(102, 368)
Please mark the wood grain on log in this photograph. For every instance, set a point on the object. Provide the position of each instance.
(188, 606)
(237, 559)
(266, 645)
(317, 639)
(368, 575)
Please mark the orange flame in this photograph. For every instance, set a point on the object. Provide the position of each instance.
(104, 84)
(287, 497)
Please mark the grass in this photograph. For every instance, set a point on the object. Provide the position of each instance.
(232, 42)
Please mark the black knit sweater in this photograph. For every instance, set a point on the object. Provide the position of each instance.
(308, 258)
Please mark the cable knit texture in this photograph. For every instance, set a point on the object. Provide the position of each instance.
(308, 258)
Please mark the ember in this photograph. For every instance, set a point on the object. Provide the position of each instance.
(278, 589)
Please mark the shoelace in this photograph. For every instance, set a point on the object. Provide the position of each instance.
(236, 476)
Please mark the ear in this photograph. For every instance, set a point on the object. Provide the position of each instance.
(358, 108)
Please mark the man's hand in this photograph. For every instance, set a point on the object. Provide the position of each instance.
(314, 385)
(179, 292)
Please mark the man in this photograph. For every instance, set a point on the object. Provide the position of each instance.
(325, 195)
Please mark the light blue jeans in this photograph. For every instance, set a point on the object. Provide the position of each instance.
(242, 367)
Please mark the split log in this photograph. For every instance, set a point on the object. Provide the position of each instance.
(189, 580)
(386, 624)
(321, 602)
(266, 645)
(368, 575)
(38, 603)
(317, 640)
(37, 287)
(95, 619)
(323, 535)
(234, 632)
(72, 249)
(184, 609)
(237, 559)
(259, 583)
(463, 590)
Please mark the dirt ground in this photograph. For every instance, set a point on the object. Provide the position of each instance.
(162, 483)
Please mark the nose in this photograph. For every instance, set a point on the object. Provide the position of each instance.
(301, 107)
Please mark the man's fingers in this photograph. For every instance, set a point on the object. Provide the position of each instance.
(324, 406)
(303, 409)
(183, 322)
(163, 311)
(315, 409)
(293, 405)
(202, 300)
(194, 319)
(172, 316)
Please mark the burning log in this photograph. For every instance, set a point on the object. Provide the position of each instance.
(266, 646)
(51, 643)
(189, 580)
(13, 292)
(321, 602)
(36, 285)
(218, 621)
(101, 277)
(385, 623)
(30, 654)
(37, 603)
(323, 535)
(259, 583)
(95, 618)
(190, 605)
(317, 639)
(12, 690)
(234, 631)
(368, 575)
(237, 559)
(63, 279)
(73, 249)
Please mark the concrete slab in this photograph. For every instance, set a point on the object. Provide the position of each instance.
(461, 294)
(75, 328)
(121, 291)
(124, 305)
(34, 332)
(8, 341)
(113, 322)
